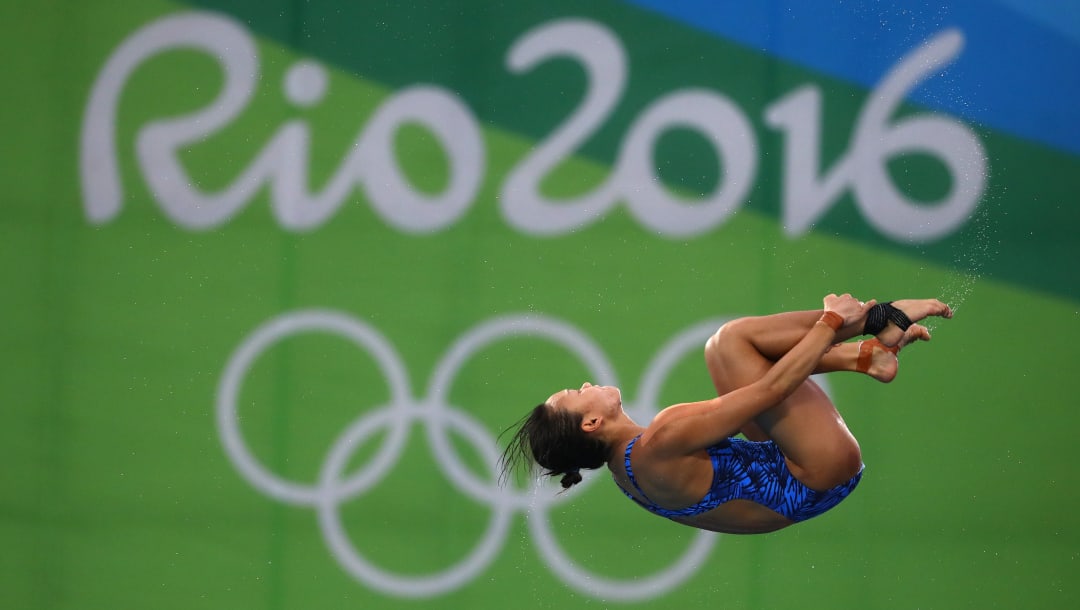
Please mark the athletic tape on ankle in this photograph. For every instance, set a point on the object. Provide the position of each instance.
(881, 314)
(899, 318)
(876, 319)
(833, 319)
(866, 355)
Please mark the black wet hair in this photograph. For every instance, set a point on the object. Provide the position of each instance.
(552, 438)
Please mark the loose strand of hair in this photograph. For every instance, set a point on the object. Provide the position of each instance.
(518, 451)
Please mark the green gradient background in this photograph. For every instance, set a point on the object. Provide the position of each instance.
(118, 494)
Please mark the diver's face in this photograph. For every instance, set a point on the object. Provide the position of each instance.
(589, 398)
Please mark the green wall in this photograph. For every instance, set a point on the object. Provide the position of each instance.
(260, 357)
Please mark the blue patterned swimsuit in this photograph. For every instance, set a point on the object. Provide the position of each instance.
(747, 470)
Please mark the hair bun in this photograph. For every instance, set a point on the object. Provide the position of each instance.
(571, 478)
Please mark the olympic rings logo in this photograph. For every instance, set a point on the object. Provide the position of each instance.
(437, 416)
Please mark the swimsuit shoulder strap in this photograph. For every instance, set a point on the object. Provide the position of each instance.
(630, 471)
(711, 500)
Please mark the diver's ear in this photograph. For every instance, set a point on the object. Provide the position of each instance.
(591, 423)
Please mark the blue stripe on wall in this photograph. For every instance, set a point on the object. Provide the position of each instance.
(1062, 16)
(1016, 74)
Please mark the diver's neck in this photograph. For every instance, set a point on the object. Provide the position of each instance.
(619, 434)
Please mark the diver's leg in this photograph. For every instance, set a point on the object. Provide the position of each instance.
(820, 450)
(773, 335)
(870, 357)
(819, 447)
(740, 345)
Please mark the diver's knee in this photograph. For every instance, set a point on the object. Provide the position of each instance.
(842, 463)
(848, 463)
(730, 332)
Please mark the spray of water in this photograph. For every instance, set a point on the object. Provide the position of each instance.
(972, 256)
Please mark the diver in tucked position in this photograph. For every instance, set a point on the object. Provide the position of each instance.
(798, 460)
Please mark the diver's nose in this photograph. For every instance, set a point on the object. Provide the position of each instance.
(586, 385)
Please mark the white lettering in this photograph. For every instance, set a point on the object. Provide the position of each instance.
(283, 162)
(223, 38)
(372, 164)
(875, 141)
(723, 126)
(634, 177)
(455, 128)
(598, 50)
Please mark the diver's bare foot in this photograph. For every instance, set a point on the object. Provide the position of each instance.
(879, 361)
(916, 310)
(916, 332)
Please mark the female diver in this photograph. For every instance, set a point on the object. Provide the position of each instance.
(798, 458)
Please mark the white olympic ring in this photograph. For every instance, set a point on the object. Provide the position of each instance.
(435, 414)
